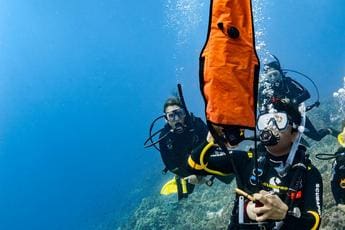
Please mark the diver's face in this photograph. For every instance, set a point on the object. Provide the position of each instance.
(287, 137)
(273, 76)
(276, 132)
(175, 116)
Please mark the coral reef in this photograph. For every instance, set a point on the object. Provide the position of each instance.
(206, 208)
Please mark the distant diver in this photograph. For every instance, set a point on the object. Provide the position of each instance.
(184, 134)
(275, 83)
(338, 171)
(181, 134)
(338, 177)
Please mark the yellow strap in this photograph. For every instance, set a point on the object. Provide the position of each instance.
(317, 219)
(184, 186)
(342, 183)
(193, 164)
(275, 186)
(202, 155)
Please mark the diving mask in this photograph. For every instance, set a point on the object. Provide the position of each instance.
(270, 125)
(268, 120)
(176, 115)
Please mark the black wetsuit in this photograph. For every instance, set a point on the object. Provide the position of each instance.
(338, 177)
(297, 94)
(306, 185)
(176, 147)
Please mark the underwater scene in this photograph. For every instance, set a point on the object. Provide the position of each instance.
(172, 114)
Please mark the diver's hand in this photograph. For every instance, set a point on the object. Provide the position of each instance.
(273, 208)
(209, 137)
(194, 179)
(250, 212)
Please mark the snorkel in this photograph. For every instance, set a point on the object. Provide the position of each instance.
(180, 127)
(283, 168)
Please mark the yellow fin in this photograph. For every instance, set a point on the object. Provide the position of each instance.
(169, 187)
(341, 139)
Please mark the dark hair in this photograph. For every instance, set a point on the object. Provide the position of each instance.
(172, 101)
(273, 65)
(291, 110)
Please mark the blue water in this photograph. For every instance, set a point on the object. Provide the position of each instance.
(80, 82)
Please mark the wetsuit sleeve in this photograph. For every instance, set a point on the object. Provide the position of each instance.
(311, 208)
(193, 162)
(314, 134)
(214, 161)
(296, 91)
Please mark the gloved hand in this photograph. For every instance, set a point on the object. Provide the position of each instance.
(209, 137)
(194, 179)
(231, 138)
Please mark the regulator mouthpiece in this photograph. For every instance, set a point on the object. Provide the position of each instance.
(269, 137)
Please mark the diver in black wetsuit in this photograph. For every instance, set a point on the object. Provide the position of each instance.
(182, 133)
(275, 84)
(338, 177)
(286, 187)
(338, 170)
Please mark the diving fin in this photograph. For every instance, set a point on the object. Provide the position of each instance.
(341, 139)
(169, 187)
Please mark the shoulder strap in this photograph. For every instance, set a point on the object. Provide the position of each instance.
(301, 168)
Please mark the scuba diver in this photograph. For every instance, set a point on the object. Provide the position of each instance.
(274, 83)
(181, 133)
(338, 171)
(184, 134)
(338, 178)
(282, 189)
